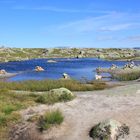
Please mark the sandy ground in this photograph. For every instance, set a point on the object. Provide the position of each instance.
(89, 108)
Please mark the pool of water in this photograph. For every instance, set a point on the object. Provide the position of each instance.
(83, 68)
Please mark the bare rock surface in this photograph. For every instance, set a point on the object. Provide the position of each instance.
(89, 108)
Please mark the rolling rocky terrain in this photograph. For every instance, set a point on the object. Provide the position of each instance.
(18, 54)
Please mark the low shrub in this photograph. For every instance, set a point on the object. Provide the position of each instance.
(50, 119)
(50, 98)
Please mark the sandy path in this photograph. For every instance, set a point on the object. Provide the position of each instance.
(120, 103)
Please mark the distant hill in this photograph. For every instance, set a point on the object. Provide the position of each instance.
(137, 48)
(19, 54)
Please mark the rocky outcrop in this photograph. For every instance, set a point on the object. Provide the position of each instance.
(5, 74)
(24, 131)
(51, 61)
(109, 130)
(66, 76)
(38, 69)
(3, 71)
(18, 54)
(61, 91)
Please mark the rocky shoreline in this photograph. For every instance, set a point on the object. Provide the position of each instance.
(7, 75)
(19, 54)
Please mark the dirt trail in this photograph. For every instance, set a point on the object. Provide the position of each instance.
(120, 103)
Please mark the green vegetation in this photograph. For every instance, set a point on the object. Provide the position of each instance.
(46, 85)
(50, 119)
(11, 103)
(127, 76)
(18, 54)
(51, 98)
(15, 96)
(99, 85)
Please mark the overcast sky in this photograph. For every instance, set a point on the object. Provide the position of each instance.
(75, 23)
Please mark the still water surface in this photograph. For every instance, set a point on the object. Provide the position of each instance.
(76, 68)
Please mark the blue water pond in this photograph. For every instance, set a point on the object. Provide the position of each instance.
(76, 68)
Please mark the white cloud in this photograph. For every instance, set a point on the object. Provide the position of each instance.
(116, 27)
(55, 9)
(108, 22)
(86, 25)
(122, 26)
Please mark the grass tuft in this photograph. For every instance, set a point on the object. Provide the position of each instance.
(50, 119)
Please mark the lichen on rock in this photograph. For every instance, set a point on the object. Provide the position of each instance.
(109, 130)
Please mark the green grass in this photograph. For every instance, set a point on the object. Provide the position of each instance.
(50, 119)
(11, 103)
(8, 109)
(46, 85)
(51, 98)
(127, 76)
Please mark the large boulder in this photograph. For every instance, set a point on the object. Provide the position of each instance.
(66, 76)
(61, 91)
(3, 71)
(109, 130)
(38, 68)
